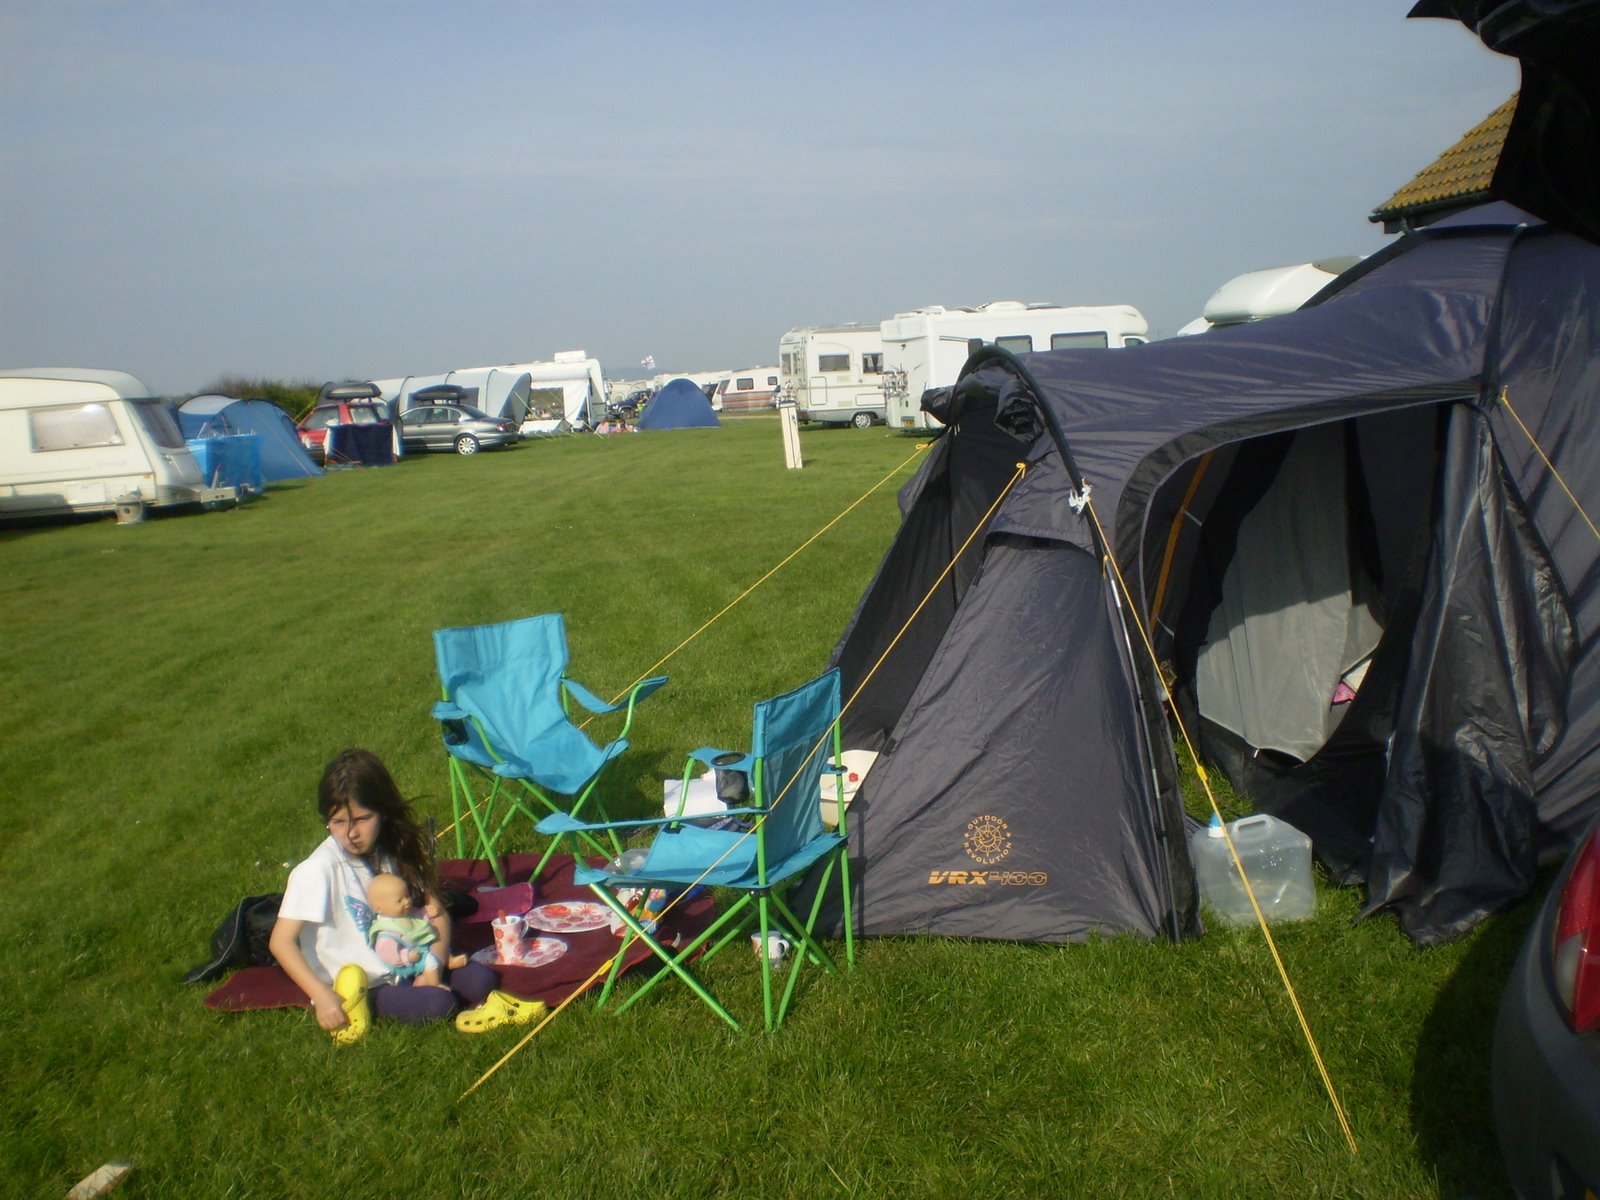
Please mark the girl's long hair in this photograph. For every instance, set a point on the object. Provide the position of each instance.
(359, 777)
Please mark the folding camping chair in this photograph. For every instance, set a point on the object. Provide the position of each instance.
(794, 737)
(511, 742)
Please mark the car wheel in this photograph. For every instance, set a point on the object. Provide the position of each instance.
(862, 420)
(466, 444)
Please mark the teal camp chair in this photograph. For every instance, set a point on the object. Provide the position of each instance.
(513, 747)
(793, 738)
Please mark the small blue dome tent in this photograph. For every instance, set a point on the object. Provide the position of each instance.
(679, 405)
(282, 455)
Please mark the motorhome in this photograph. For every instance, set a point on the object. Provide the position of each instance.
(75, 440)
(1267, 293)
(833, 373)
(926, 348)
(749, 390)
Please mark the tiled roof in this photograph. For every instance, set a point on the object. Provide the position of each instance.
(1462, 173)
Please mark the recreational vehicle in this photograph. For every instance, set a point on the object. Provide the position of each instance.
(833, 373)
(1267, 293)
(747, 391)
(74, 440)
(927, 348)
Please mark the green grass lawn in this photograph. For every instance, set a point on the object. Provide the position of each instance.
(172, 690)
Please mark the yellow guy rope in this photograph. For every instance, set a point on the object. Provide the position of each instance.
(1505, 399)
(793, 554)
(1205, 782)
(778, 799)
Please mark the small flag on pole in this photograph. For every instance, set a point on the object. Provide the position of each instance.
(648, 362)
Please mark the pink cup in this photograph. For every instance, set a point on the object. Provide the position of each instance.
(508, 935)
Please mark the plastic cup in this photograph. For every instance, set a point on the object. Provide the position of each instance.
(508, 934)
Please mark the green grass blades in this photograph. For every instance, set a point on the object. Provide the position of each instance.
(174, 689)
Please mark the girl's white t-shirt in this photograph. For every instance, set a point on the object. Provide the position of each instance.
(328, 891)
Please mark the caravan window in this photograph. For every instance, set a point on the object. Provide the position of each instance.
(1018, 344)
(833, 362)
(1079, 341)
(73, 428)
(159, 424)
(872, 363)
(788, 363)
(744, 384)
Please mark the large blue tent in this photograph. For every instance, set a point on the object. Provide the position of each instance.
(679, 405)
(282, 456)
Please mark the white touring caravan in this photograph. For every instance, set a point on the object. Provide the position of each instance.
(75, 440)
(749, 390)
(926, 348)
(1267, 293)
(833, 373)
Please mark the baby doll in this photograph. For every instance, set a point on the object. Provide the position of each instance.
(401, 935)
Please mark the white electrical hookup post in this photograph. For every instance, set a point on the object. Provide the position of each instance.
(790, 422)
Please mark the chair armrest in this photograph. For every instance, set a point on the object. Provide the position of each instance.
(599, 707)
(709, 755)
(564, 823)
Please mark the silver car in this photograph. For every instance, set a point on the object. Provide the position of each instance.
(457, 427)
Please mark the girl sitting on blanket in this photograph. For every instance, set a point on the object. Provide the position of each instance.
(320, 938)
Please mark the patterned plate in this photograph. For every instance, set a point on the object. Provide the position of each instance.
(578, 916)
(536, 953)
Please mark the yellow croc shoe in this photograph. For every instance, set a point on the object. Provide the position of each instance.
(350, 985)
(501, 1008)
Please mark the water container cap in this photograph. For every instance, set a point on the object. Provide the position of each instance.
(1215, 828)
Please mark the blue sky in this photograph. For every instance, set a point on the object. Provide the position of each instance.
(362, 189)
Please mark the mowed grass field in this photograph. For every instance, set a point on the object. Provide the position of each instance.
(173, 689)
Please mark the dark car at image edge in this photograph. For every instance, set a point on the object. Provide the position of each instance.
(1545, 1069)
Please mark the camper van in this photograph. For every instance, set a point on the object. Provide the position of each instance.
(75, 440)
(749, 390)
(927, 348)
(1267, 293)
(833, 373)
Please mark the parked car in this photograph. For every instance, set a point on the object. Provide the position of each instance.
(457, 427)
(341, 404)
(1545, 1068)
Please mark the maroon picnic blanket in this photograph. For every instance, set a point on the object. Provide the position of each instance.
(553, 982)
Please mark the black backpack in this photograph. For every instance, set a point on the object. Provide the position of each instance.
(241, 939)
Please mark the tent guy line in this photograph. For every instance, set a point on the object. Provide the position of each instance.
(1132, 611)
(1505, 399)
(672, 903)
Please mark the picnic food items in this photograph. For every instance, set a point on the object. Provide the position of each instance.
(501, 1008)
(350, 985)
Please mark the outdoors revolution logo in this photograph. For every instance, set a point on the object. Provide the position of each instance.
(987, 842)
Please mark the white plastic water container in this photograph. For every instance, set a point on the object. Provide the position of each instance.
(1277, 859)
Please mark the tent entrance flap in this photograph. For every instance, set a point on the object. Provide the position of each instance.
(1298, 617)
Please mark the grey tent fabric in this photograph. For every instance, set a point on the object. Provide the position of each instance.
(1022, 698)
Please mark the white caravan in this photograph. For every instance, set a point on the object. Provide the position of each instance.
(749, 390)
(833, 373)
(74, 440)
(1267, 293)
(927, 348)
